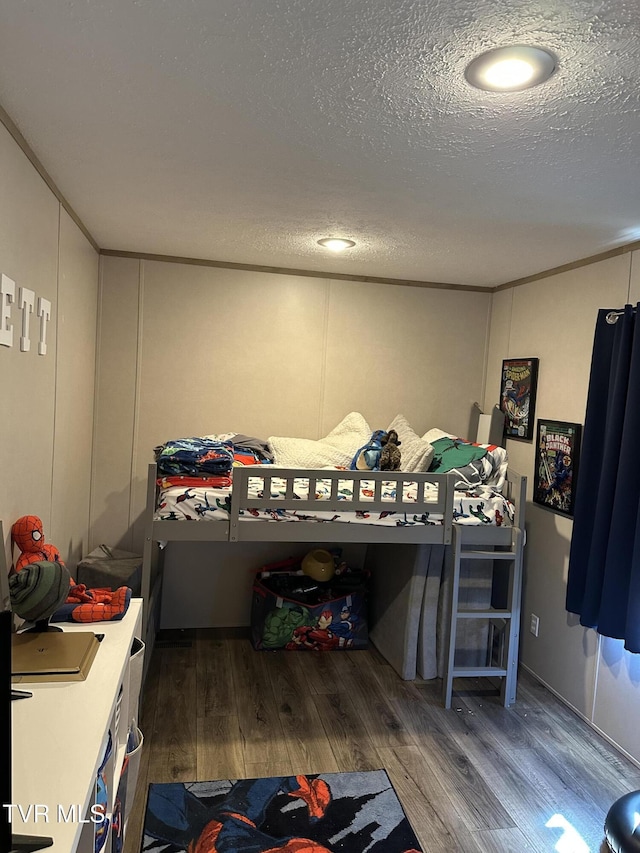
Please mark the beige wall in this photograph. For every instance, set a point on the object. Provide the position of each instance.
(46, 428)
(554, 319)
(192, 350)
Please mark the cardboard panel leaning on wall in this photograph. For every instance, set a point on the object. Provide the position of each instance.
(415, 351)
(29, 216)
(75, 380)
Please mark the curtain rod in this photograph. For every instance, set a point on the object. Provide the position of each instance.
(612, 316)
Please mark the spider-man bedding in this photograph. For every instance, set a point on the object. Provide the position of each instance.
(196, 477)
(198, 499)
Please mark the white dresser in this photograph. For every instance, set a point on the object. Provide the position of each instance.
(60, 735)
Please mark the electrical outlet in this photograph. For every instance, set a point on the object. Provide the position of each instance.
(535, 625)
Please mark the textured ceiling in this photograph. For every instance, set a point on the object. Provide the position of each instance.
(245, 130)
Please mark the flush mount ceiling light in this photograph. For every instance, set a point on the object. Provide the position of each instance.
(510, 69)
(336, 244)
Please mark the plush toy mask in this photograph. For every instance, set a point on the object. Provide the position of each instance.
(27, 534)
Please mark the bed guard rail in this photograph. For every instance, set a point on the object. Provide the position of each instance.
(349, 491)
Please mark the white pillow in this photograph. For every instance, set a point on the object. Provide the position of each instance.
(351, 433)
(334, 450)
(435, 433)
(416, 453)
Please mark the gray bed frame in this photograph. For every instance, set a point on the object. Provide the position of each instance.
(399, 613)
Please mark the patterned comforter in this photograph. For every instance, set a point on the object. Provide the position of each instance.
(481, 505)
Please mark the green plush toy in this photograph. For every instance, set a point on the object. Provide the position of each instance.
(280, 623)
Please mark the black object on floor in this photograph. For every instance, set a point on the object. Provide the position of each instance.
(622, 824)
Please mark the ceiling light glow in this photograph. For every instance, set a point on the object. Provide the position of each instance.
(510, 69)
(508, 74)
(336, 244)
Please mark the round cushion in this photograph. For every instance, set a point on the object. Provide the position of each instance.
(38, 590)
(622, 824)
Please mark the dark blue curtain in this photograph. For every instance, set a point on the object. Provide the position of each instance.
(603, 586)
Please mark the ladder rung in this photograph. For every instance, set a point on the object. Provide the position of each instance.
(472, 671)
(487, 555)
(483, 614)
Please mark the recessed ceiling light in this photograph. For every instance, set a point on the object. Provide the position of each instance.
(510, 69)
(336, 244)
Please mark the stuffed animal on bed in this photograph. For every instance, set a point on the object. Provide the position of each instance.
(390, 456)
(367, 458)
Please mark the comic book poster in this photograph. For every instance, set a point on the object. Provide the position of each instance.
(556, 466)
(518, 396)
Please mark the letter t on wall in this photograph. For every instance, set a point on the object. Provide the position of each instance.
(27, 300)
(44, 312)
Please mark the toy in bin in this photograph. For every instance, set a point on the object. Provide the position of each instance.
(319, 565)
(314, 604)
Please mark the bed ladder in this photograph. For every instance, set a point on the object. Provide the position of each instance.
(506, 621)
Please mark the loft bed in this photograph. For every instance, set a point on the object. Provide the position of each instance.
(415, 514)
(239, 525)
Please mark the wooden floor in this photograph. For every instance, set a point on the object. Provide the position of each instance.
(478, 777)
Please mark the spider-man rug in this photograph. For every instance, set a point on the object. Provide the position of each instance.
(325, 813)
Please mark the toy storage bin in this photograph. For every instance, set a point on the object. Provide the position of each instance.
(286, 612)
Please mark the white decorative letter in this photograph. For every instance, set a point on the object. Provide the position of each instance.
(44, 312)
(27, 299)
(7, 296)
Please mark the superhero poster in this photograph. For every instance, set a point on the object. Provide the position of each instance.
(556, 466)
(518, 396)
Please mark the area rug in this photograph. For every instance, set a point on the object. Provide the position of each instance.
(325, 813)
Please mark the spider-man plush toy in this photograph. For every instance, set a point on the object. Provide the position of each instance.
(27, 534)
(82, 604)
